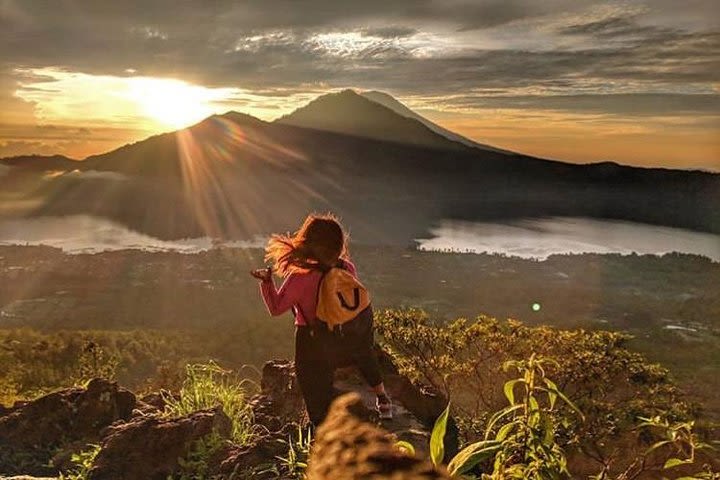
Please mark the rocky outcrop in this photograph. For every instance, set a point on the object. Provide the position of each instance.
(279, 409)
(138, 442)
(32, 434)
(149, 447)
(348, 447)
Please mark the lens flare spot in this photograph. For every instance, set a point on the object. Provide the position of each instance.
(536, 307)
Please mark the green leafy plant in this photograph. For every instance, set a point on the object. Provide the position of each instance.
(521, 438)
(437, 437)
(83, 463)
(294, 462)
(676, 445)
(680, 436)
(523, 435)
(207, 385)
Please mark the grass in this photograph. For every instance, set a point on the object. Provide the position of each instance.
(294, 462)
(208, 385)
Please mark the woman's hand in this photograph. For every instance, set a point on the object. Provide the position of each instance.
(264, 274)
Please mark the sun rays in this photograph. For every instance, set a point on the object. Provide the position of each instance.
(218, 163)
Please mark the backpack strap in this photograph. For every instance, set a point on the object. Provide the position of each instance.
(314, 322)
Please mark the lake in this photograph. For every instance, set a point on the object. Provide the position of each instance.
(526, 238)
(540, 238)
(88, 234)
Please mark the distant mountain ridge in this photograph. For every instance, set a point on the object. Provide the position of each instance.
(41, 162)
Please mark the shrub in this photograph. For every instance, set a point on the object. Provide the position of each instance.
(35, 363)
(523, 440)
(611, 385)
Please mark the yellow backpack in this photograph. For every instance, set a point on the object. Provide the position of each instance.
(341, 297)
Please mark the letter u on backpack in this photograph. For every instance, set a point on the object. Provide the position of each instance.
(341, 298)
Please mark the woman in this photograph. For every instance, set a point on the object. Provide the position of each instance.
(301, 259)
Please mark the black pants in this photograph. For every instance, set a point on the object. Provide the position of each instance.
(314, 371)
(318, 352)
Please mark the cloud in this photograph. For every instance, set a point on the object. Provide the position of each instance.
(621, 105)
(612, 27)
(390, 32)
(282, 43)
(356, 45)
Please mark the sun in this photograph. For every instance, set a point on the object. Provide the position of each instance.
(174, 103)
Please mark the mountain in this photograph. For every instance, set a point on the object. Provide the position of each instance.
(353, 114)
(40, 162)
(391, 177)
(393, 104)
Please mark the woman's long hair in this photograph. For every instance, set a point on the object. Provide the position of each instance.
(318, 244)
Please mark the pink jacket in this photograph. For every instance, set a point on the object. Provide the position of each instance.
(299, 290)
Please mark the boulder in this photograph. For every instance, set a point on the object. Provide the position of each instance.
(280, 401)
(348, 447)
(149, 447)
(31, 434)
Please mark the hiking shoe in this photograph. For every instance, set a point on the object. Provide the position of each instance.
(383, 405)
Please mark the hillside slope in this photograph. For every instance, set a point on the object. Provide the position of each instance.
(393, 104)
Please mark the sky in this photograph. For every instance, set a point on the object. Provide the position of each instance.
(636, 82)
